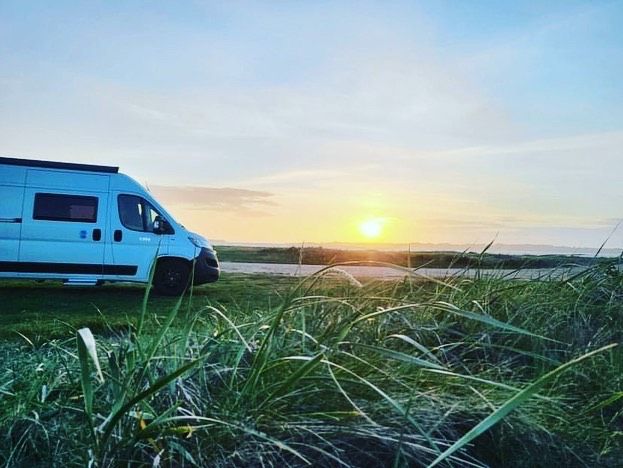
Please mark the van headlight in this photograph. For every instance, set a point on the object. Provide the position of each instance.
(196, 242)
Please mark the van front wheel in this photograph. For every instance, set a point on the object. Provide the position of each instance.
(171, 277)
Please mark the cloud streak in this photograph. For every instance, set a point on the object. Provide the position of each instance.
(236, 200)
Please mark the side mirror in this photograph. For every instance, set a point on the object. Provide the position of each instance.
(161, 226)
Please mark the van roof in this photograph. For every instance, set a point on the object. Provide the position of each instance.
(59, 165)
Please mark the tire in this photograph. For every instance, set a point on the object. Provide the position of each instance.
(171, 277)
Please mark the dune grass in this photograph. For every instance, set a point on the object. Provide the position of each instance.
(330, 372)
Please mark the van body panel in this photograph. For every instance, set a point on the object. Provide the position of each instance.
(11, 175)
(64, 180)
(11, 202)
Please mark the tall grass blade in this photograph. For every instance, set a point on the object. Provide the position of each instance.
(148, 286)
(87, 351)
(487, 320)
(512, 404)
(295, 377)
(397, 356)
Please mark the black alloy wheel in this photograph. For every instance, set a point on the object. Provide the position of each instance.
(171, 277)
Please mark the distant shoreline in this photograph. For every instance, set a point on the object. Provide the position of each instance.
(503, 249)
(449, 259)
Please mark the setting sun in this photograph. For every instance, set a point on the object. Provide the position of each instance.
(372, 228)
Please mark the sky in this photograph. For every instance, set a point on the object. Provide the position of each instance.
(291, 121)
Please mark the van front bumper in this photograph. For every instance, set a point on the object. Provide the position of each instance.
(206, 267)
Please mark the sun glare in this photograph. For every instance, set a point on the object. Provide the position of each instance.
(371, 228)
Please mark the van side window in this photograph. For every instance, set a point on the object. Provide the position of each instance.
(136, 213)
(72, 208)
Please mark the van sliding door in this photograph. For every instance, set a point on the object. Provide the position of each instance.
(64, 224)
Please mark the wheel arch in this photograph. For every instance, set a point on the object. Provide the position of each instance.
(167, 257)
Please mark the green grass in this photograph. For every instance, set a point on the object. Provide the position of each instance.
(266, 371)
(49, 310)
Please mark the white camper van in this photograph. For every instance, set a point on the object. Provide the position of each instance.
(86, 224)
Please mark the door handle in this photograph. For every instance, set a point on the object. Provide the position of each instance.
(118, 235)
(97, 234)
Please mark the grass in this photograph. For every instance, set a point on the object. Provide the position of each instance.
(267, 371)
(46, 310)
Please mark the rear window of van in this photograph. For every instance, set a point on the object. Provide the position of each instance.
(72, 208)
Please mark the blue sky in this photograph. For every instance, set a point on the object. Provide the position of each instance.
(451, 121)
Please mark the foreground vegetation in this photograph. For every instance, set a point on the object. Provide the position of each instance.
(327, 256)
(273, 372)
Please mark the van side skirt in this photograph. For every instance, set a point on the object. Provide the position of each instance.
(68, 268)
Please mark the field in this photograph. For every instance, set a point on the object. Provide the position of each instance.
(324, 371)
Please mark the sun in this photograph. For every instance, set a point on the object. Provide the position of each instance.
(372, 228)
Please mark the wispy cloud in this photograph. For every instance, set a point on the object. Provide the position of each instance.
(240, 201)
